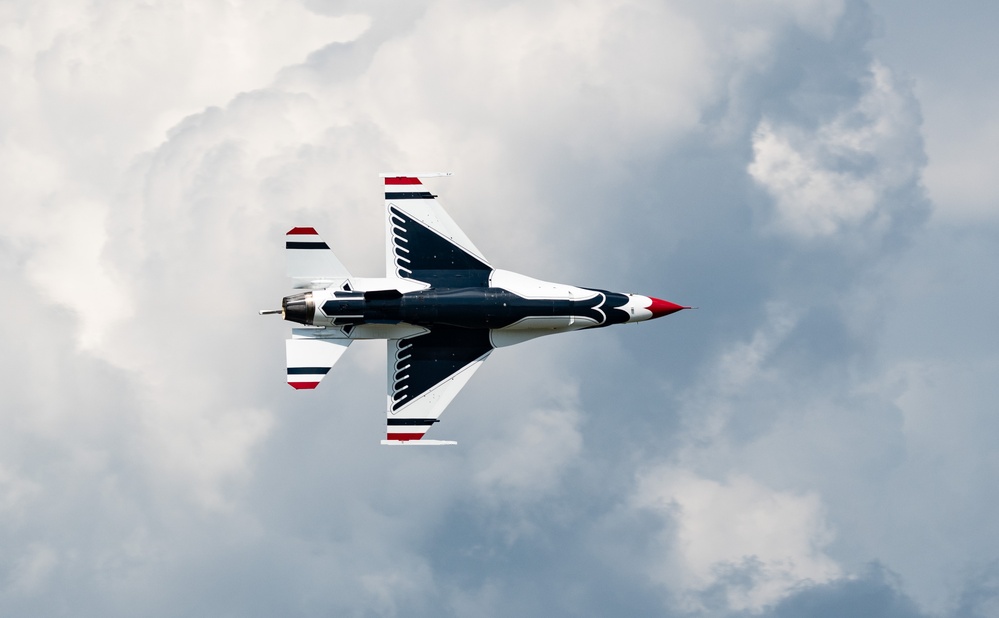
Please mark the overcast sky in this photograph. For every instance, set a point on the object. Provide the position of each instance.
(817, 439)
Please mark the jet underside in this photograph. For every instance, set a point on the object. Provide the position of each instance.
(441, 307)
(490, 308)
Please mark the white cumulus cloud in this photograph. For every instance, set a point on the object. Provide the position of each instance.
(844, 174)
(756, 543)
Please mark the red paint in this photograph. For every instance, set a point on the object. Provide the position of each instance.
(663, 307)
(301, 385)
(402, 180)
(303, 230)
(404, 436)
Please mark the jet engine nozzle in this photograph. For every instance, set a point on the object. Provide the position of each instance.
(299, 308)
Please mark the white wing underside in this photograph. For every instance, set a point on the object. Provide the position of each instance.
(431, 403)
(427, 211)
(409, 421)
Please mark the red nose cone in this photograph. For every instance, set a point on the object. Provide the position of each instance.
(660, 307)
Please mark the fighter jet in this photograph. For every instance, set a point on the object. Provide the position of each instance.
(442, 307)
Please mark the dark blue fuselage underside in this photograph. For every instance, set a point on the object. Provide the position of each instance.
(468, 307)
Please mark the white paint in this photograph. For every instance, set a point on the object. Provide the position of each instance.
(531, 288)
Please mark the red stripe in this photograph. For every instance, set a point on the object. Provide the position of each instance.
(301, 385)
(303, 230)
(405, 436)
(402, 180)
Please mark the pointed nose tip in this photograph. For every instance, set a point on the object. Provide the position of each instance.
(661, 307)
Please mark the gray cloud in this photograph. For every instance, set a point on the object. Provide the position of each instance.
(873, 593)
(823, 410)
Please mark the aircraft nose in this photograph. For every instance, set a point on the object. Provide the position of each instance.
(661, 307)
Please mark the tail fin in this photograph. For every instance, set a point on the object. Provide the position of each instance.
(311, 263)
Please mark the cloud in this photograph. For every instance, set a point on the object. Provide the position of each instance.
(750, 457)
(873, 593)
(957, 92)
(91, 87)
(532, 457)
(981, 594)
(33, 569)
(844, 175)
(755, 543)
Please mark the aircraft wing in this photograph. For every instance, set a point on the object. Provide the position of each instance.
(424, 243)
(424, 374)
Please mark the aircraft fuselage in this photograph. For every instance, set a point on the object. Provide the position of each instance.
(492, 307)
(462, 307)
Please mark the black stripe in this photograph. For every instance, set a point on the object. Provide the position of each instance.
(432, 258)
(413, 421)
(383, 295)
(293, 371)
(305, 245)
(410, 195)
(434, 357)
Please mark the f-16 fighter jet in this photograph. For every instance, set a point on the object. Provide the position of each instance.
(442, 307)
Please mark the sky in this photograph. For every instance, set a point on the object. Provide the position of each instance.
(816, 439)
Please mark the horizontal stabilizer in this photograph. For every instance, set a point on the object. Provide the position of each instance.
(311, 263)
(415, 175)
(419, 442)
(309, 360)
